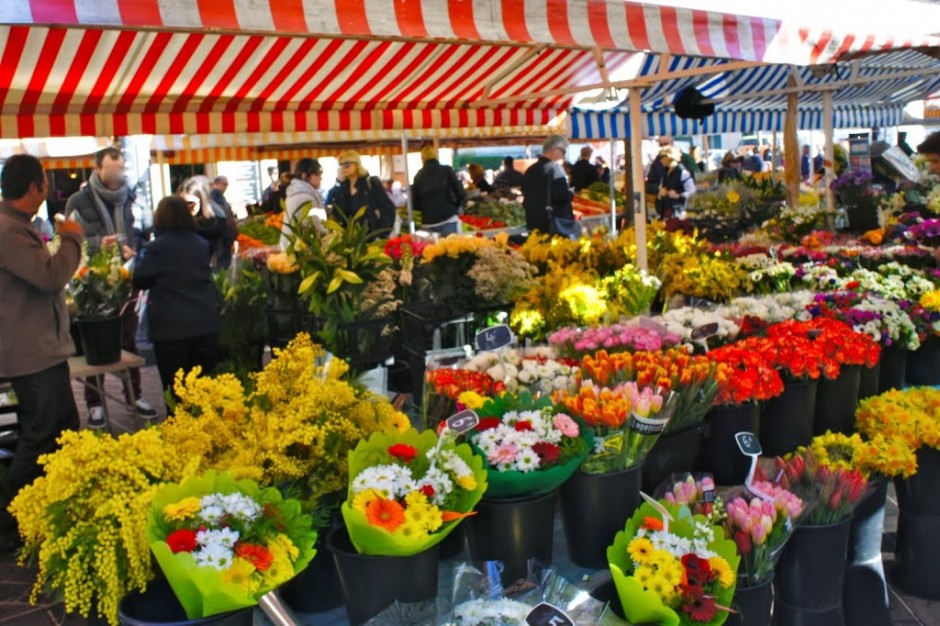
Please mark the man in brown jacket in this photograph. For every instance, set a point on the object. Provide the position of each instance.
(34, 327)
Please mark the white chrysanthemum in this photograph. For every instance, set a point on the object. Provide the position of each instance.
(391, 481)
(215, 555)
(241, 506)
(527, 461)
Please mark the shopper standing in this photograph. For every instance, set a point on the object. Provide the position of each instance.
(546, 186)
(303, 189)
(437, 195)
(357, 189)
(34, 328)
(184, 313)
(104, 209)
(583, 174)
(217, 195)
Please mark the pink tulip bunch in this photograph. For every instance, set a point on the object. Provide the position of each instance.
(752, 521)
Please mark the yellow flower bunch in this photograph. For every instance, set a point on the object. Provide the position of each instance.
(565, 296)
(298, 424)
(705, 276)
(282, 263)
(874, 456)
(454, 245)
(931, 302)
(900, 422)
(84, 521)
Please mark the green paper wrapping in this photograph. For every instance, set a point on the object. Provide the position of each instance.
(641, 606)
(201, 590)
(375, 541)
(514, 484)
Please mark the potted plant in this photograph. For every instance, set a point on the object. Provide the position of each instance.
(100, 290)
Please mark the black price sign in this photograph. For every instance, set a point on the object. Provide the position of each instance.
(748, 443)
(494, 338)
(705, 331)
(463, 421)
(547, 615)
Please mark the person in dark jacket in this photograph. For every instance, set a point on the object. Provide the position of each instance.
(356, 189)
(583, 173)
(478, 178)
(104, 208)
(509, 176)
(210, 218)
(184, 313)
(677, 185)
(217, 195)
(730, 169)
(546, 186)
(437, 195)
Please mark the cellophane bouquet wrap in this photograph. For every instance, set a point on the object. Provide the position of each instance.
(671, 567)
(408, 491)
(528, 446)
(223, 543)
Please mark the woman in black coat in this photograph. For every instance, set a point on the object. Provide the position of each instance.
(182, 307)
(357, 189)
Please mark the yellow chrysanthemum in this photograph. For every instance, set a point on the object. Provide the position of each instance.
(411, 530)
(467, 482)
(184, 509)
(643, 574)
(640, 550)
(722, 570)
(240, 573)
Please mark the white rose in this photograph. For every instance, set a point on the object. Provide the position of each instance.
(497, 372)
(562, 382)
(525, 377)
(512, 371)
(512, 357)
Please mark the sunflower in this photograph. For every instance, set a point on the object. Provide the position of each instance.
(386, 514)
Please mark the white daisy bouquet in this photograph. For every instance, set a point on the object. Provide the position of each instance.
(408, 491)
(528, 447)
(223, 544)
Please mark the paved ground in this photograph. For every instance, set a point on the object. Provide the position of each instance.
(15, 581)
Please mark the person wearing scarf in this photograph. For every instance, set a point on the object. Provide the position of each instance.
(104, 209)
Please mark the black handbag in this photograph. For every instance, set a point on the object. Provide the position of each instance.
(561, 226)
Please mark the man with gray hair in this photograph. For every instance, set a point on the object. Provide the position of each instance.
(547, 188)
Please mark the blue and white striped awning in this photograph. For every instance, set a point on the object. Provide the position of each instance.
(615, 124)
(868, 100)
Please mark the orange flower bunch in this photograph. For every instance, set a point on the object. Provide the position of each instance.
(274, 220)
(599, 406)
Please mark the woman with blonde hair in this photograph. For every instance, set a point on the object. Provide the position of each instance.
(210, 218)
(356, 189)
(478, 176)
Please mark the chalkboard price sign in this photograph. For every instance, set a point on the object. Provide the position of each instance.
(494, 338)
(546, 614)
(463, 421)
(748, 443)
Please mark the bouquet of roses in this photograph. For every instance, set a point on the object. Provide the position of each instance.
(626, 419)
(408, 491)
(672, 567)
(577, 342)
(223, 544)
(527, 446)
(532, 370)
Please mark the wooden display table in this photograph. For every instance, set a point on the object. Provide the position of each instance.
(80, 370)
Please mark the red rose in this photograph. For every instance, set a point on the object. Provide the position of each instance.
(183, 540)
(523, 426)
(548, 453)
(428, 491)
(403, 452)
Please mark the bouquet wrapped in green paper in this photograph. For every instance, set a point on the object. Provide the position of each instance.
(223, 544)
(408, 491)
(671, 567)
(528, 447)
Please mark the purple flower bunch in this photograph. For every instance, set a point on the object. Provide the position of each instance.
(575, 343)
(853, 178)
(927, 231)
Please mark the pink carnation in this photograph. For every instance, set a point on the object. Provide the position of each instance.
(567, 426)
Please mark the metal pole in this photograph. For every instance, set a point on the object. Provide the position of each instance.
(829, 147)
(639, 184)
(411, 214)
(613, 192)
(274, 608)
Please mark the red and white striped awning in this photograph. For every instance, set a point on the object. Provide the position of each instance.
(122, 67)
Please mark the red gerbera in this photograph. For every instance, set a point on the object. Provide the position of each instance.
(697, 569)
(700, 609)
(523, 426)
(403, 452)
(183, 540)
(259, 556)
(548, 453)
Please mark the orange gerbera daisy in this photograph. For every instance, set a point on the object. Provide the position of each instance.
(652, 523)
(386, 514)
(259, 556)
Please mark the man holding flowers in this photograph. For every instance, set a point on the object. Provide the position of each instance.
(34, 327)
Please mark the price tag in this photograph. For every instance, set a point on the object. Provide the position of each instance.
(463, 421)
(748, 443)
(494, 338)
(546, 614)
(704, 331)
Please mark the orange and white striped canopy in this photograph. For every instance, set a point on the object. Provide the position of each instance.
(121, 67)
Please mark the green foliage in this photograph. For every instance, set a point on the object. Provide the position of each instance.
(242, 298)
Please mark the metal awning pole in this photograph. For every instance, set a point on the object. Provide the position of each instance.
(411, 213)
